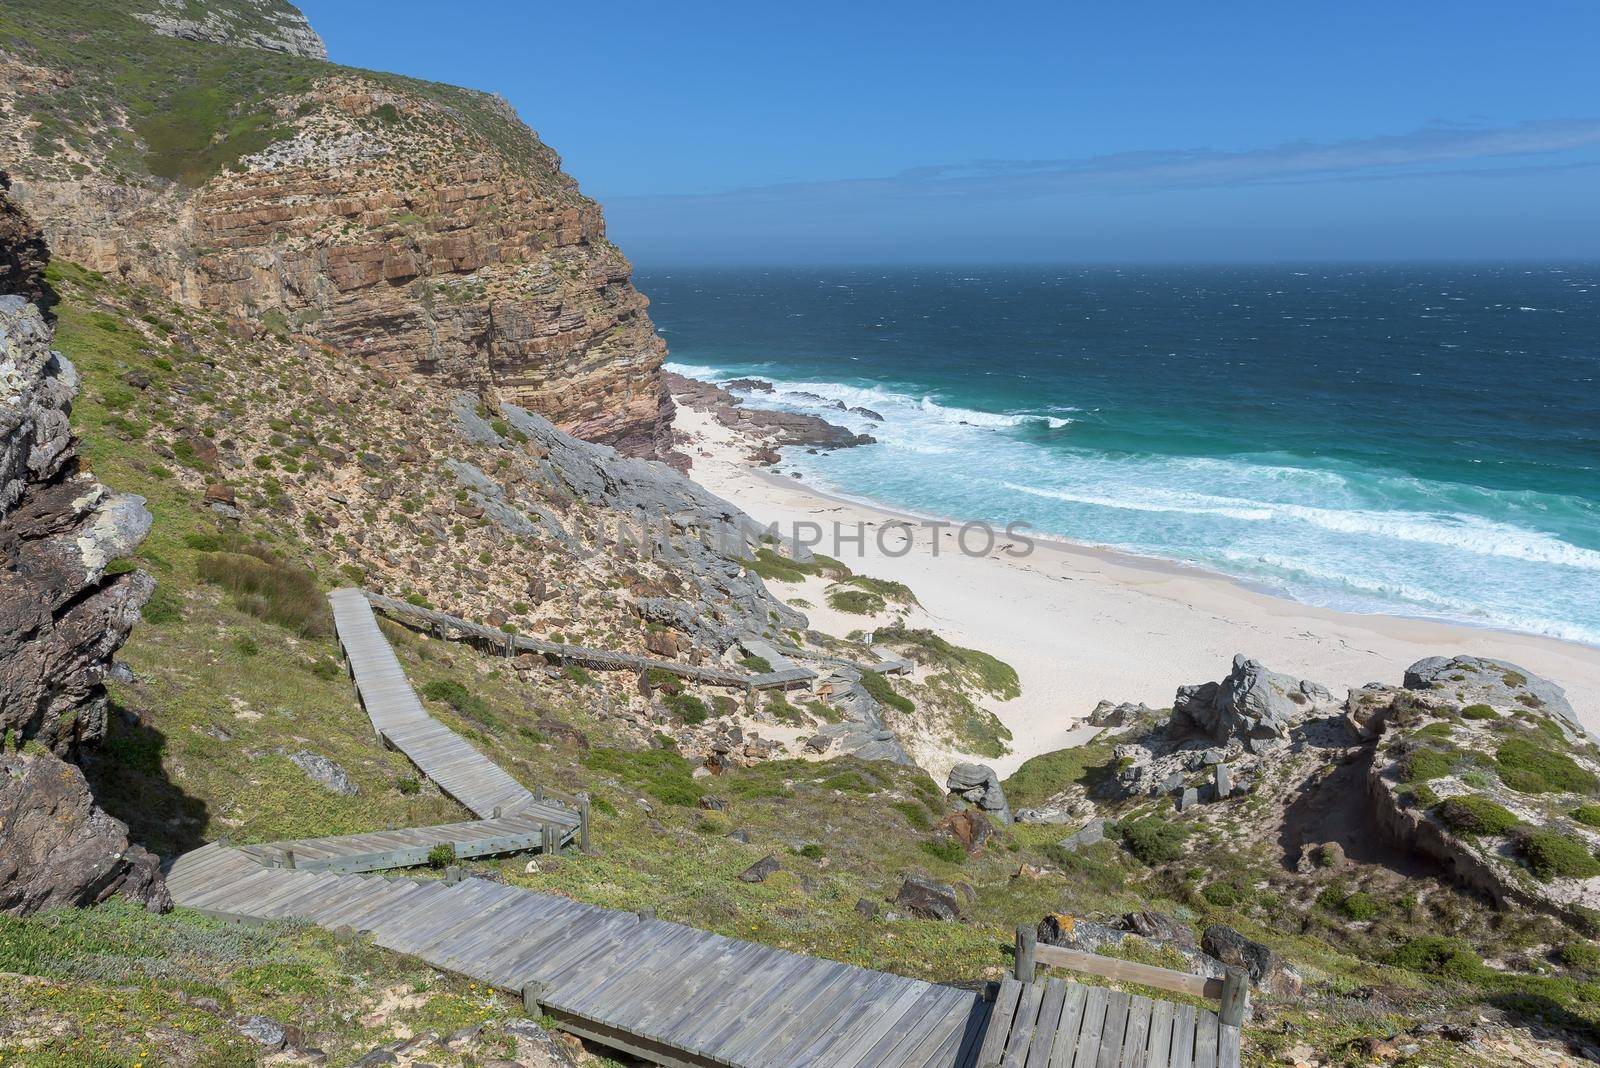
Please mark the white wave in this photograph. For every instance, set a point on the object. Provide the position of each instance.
(1467, 533)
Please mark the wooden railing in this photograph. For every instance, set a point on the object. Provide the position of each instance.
(1231, 992)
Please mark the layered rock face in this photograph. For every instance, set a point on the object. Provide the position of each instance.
(63, 612)
(419, 228)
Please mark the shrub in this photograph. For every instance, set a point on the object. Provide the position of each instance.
(269, 588)
(756, 665)
(688, 708)
(663, 680)
(1224, 895)
(1154, 840)
(1437, 955)
(408, 785)
(1584, 955)
(246, 645)
(1423, 765)
(461, 699)
(884, 693)
(578, 675)
(1479, 712)
(811, 851)
(326, 667)
(856, 602)
(1587, 814)
(1533, 769)
(989, 673)
(1359, 906)
(1551, 855)
(441, 855)
(945, 849)
(1471, 814)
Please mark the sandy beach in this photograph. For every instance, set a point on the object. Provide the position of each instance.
(1083, 624)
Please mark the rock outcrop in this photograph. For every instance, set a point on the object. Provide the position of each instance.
(420, 228)
(979, 786)
(777, 429)
(1491, 789)
(22, 249)
(1252, 704)
(271, 25)
(64, 610)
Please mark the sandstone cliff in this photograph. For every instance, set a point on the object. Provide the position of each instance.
(64, 610)
(417, 227)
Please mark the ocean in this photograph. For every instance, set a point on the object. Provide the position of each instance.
(1413, 440)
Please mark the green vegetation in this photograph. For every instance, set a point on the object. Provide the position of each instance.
(1471, 814)
(1437, 955)
(1153, 839)
(269, 588)
(1221, 894)
(688, 707)
(1531, 768)
(944, 849)
(1479, 712)
(987, 673)
(885, 590)
(462, 700)
(756, 665)
(1042, 777)
(663, 680)
(1552, 855)
(771, 565)
(660, 773)
(883, 692)
(1424, 765)
(119, 986)
(1588, 815)
(441, 855)
(1584, 956)
(856, 602)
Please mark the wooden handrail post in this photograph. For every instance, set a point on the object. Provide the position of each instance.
(288, 858)
(647, 913)
(531, 995)
(1027, 942)
(583, 823)
(1235, 997)
(452, 875)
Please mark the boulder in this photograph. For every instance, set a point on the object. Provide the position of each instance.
(928, 899)
(968, 827)
(977, 784)
(1090, 833)
(324, 772)
(60, 849)
(1252, 704)
(1267, 970)
(758, 872)
(1157, 927)
(1106, 714)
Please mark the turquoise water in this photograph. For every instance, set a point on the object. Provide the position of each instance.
(1414, 440)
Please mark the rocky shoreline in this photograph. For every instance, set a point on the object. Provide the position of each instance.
(771, 430)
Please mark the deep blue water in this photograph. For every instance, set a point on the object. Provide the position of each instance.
(1422, 440)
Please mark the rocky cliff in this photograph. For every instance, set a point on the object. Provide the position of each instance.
(414, 226)
(65, 608)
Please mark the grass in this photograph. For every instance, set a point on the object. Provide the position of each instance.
(1426, 764)
(660, 773)
(883, 589)
(120, 986)
(771, 565)
(464, 701)
(269, 588)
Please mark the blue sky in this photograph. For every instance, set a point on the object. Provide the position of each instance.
(1110, 132)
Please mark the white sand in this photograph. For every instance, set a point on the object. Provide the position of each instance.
(1082, 624)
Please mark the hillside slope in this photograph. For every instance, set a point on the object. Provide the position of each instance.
(414, 226)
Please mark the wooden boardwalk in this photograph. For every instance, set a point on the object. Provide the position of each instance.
(522, 831)
(400, 720)
(1061, 1023)
(446, 625)
(669, 994)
